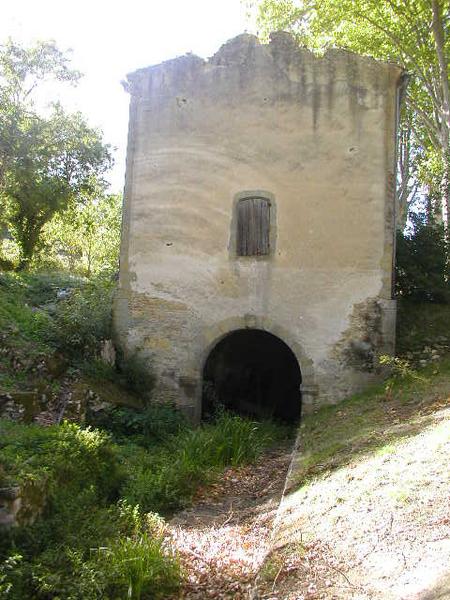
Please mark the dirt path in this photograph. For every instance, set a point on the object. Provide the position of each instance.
(224, 537)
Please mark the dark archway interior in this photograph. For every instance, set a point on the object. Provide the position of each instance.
(253, 373)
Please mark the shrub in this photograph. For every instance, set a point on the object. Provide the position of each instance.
(136, 376)
(42, 287)
(16, 317)
(60, 554)
(82, 321)
(68, 457)
(422, 271)
(89, 544)
(166, 480)
(147, 427)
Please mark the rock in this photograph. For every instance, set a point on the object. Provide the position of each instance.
(7, 519)
(76, 403)
(9, 493)
(56, 365)
(19, 406)
(108, 352)
(63, 293)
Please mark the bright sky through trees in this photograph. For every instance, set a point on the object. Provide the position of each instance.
(111, 38)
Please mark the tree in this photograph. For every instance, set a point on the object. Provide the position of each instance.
(45, 162)
(22, 71)
(421, 269)
(414, 33)
(85, 237)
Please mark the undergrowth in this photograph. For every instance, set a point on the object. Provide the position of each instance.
(420, 324)
(99, 535)
(36, 325)
(166, 479)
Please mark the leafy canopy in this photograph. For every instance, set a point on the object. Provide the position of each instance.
(413, 33)
(46, 162)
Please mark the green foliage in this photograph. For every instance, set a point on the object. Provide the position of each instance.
(400, 367)
(135, 375)
(38, 328)
(415, 35)
(164, 481)
(132, 374)
(85, 237)
(66, 455)
(147, 427)
(22, 325)
(86, 545)
(82, 321)
(420, 325)
(45, 162)
(90, 545)
(137, 566)
(62, 158)
(422, 269)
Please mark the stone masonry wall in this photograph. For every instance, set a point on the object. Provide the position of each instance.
(314, 134)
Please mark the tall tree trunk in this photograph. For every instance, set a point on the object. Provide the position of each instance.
(439, 40)
(445, 190)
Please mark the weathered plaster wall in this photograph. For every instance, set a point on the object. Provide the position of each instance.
(318, 135)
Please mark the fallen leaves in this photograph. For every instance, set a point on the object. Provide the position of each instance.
(223, 539)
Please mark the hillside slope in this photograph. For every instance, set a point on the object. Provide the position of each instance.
(366, 510)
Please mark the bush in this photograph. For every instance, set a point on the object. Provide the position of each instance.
(166, 480)
(68, 457)
(136, 376)
(82, 321)
(42, 287)
(152, 425)
(89, 544)
(422, 271)
(86, 545)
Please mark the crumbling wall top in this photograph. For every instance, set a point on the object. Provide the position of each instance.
(246, 52)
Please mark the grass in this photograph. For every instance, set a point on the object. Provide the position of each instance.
(133, 464)
(118, 550)
(165, 479)
(372, 421)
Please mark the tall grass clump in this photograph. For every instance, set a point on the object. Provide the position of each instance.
(167, 479)
(230, 441)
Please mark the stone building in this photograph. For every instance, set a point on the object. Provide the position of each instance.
(258, 232)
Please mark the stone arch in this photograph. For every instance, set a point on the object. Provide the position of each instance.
(214, 334)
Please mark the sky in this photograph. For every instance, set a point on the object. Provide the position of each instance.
(111, 38)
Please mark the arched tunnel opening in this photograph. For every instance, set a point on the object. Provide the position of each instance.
(253, 373)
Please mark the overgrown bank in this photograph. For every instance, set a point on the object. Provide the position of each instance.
(123, 467)
(99, 534)
(92, 493)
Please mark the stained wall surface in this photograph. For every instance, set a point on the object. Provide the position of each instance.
(316, 136)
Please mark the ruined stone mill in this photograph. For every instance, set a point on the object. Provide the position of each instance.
(257, 252)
